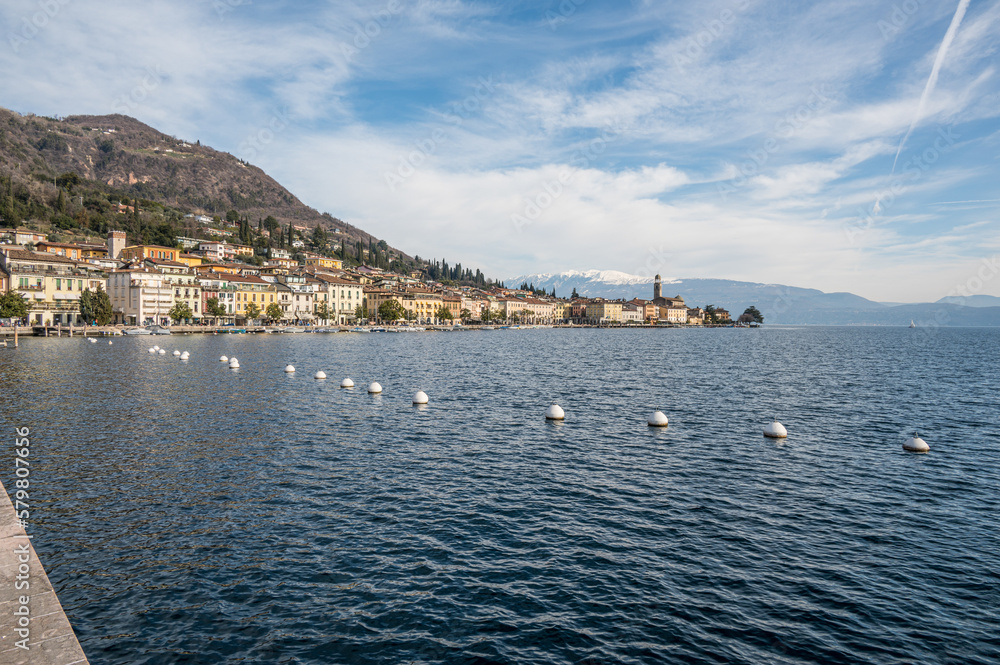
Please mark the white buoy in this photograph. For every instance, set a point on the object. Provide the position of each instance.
(223, 359)
(185, 355)
(319, 375)
(346, 383)
(916, 445)
(775, 430)
(420, 397)
(162, 352)
(374, 387)
(176, 352)
(156, 346)
(555, 412)
(92, 341)
(152, 350)
(657, 419)
(110, 342)
(234, 363)
(289, 369)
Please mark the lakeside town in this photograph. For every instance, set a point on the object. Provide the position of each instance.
(221, 283)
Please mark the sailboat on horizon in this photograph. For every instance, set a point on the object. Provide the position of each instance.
(912, 324)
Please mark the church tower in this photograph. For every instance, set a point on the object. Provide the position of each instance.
(657, 288)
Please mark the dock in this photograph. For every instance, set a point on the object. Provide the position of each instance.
(27, 597)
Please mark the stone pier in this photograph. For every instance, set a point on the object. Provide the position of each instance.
(50, 638)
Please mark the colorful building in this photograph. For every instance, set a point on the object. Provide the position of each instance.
(50, 284)
(141, 252)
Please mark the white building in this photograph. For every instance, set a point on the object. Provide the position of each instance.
(341, 297)
(140, 296)
(297, 298)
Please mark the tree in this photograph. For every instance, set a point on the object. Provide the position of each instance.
(273, 312)
(13, 306)
(213, 308)
(444, 313)
(319, 237)
(466, 314)
(252, 311)
(391, 310)
(103, 312)
(232, 217)
(710, 316)
(272, 225)
(360, 312)
(88, 311)
(323, 311)
(180, 310)
(754, 314)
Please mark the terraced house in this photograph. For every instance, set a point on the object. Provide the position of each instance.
(51, 284)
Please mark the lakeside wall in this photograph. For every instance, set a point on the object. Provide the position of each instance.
(26, 593)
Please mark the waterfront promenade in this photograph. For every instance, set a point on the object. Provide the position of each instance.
(27, 597)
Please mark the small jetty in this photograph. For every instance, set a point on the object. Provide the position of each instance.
(47, 638)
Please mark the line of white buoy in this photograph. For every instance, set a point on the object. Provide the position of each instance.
(773, 430)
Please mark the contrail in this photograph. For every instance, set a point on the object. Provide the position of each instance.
(932, 79)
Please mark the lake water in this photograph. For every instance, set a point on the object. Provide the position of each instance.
(187, 513)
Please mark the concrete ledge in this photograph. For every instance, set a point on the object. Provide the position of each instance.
(51, 640)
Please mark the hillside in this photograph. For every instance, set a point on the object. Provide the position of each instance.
(116, 154)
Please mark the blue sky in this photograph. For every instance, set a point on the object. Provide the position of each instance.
(744, 139)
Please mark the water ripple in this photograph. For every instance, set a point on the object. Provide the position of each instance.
(190, 513)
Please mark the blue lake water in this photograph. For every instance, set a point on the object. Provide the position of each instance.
(187, 513)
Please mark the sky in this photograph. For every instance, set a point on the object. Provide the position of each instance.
(843, 145)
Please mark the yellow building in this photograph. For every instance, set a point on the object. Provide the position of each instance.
(190, 260)
(324, 262)
(561, 311)
(600, 310)
(375, 296)
(217, 268)
(422, 305)
(140, 252)
(239, 292)
(60, 249)
(50, 284)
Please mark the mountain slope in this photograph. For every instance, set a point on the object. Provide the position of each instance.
(132, 157)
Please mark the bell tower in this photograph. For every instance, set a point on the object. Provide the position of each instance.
(657, 288)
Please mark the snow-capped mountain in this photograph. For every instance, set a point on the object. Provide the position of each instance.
(777, 302)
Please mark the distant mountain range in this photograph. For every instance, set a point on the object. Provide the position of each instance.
(778, 303)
